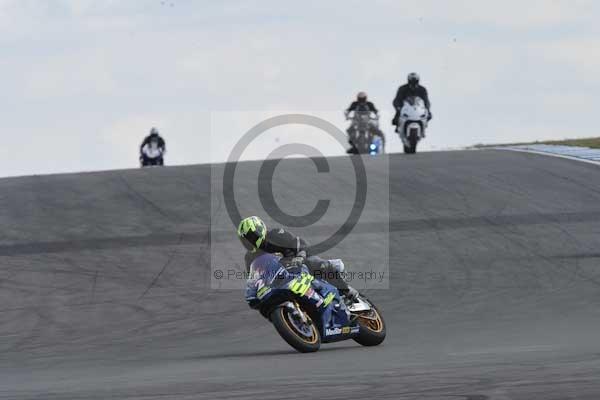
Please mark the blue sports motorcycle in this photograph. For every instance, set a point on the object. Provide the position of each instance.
(307, 311)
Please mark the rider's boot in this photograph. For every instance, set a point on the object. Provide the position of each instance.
(350, 294)
(352, 149)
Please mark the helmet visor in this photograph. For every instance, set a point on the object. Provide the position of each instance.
(250, 240)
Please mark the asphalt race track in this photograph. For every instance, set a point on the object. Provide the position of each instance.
(495, 288)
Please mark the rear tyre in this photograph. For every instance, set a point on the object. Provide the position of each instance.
(303, 337)
(372, 328)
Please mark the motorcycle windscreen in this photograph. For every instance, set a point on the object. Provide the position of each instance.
(415, 101)
(265, 267)
(152, 150)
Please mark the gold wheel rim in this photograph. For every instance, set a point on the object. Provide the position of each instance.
(312, 340)
(373, 323)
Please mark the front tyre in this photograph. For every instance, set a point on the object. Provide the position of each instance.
(301, 335)
(413, 140)
(372, 327)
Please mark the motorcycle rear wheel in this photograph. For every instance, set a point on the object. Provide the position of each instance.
(372, 328)
(286, 326)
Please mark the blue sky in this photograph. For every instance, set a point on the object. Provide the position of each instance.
(84, 80)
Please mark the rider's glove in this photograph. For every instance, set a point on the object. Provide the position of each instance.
(296, 262)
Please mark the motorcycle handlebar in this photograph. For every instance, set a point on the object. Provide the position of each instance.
(371, 115)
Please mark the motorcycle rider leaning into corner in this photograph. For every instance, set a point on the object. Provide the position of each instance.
(257, 239)
(154, 136)
(411, 88)
(361, 104)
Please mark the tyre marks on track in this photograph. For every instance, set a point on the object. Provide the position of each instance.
(397, 225)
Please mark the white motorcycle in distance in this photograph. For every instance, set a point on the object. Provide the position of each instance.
(412, 123)
(152, 155)
(365, 139)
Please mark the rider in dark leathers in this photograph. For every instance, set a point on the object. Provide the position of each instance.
(153, 136)
(258, 240)
(411, 88)
(160, 142)
(361, 104)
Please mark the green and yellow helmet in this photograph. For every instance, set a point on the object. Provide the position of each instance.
(252, 232)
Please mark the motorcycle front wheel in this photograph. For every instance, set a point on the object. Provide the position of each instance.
(303, 336)
(413, 140)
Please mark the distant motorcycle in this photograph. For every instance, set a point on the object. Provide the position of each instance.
(364, 138)
(307, 311)
(412, 123)
(152, 155)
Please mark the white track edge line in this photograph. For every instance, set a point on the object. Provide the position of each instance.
(544, 153)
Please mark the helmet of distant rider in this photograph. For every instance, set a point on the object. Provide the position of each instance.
(361, 97)
(252, 232)
(153, 132)
(413, 79)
